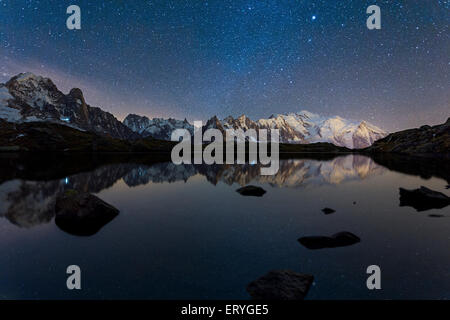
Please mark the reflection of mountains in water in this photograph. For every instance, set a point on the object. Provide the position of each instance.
(292, 173)
(27, 203)
(158, 173)
(295, 173)
(301, 173)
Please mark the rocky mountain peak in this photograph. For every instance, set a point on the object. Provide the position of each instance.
(157, 128)
(28, 78)
(214, 120)
(134, 117)
(76, 93)
(36, 91)
(36, 98)
(28, 81)
(213, 123)
(365, 124)
(228, 119)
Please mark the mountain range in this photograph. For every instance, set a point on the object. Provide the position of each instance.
(30, 98)
(302, 128)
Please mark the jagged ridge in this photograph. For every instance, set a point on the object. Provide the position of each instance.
(157, 128)
(303, 127)
(28, 98)
(423, 140)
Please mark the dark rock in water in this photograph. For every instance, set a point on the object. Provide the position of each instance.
(436, 215)
(280, 285)
(251, 191)
(423, 199)
(82, 214)
(340, 239)
(328, 210)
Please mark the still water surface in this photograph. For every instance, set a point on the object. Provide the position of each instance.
(183, 232)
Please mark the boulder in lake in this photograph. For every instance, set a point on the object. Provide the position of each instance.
(251, 191)
(328, 210)
(280, 285)
(340, 239)
(82, 214)
(423, 199)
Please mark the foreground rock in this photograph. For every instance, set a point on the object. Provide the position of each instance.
(328, 210)
(423, 140)
(340, 239)
(280, 285)
(55, 137)
(82, 214)
(251, 191)
(423, 199)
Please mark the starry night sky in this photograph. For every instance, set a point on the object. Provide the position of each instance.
(198, 58)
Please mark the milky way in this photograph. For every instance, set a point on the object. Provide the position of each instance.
(199, 58)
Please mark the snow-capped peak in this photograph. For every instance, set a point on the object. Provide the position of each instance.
(27, 97)
(28, 76)
(36, 91)
(309, 127)
(300, 127)
(157, 127)
(308, 115)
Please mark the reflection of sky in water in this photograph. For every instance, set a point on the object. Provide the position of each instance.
(197, 238)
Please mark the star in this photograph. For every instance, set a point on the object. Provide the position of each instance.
(196, 59)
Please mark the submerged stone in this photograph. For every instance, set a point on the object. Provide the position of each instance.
(340, 239)
(280, 285)
(251, 191)
(328, 210)
(423, 199)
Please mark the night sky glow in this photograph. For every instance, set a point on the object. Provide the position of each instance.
(199, 58)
